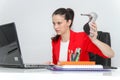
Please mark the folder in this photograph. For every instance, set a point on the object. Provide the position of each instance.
(76, 63)
(78, 66)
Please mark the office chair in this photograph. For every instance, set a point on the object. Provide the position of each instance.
(104, 37)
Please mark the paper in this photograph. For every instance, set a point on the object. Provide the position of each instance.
(79, 68)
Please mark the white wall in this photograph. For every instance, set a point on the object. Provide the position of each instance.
(34, 24)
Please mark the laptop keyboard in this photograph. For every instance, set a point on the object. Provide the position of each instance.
(34, 66)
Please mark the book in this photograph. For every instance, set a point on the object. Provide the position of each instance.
(78, 68)
(76, 63)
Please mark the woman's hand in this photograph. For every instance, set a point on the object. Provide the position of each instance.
(93, 31)
(106, 50)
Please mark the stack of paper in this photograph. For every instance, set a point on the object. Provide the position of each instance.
(78, 66)
(81, 66)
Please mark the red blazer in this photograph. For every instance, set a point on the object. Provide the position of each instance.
(77, 40)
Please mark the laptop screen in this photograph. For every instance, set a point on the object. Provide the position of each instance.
(9, 47)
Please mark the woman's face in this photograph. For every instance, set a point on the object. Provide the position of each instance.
(60, 24)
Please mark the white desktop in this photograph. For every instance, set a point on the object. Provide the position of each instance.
(37, 74)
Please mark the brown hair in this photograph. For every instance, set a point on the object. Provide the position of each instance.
(69, 15)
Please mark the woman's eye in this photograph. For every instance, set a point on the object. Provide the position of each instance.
(59, 23)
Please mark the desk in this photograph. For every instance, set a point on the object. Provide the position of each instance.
(37, 74)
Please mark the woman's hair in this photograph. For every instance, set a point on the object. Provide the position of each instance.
(69, 15)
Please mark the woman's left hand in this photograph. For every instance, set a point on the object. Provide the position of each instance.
(105, 49)
(93, 31)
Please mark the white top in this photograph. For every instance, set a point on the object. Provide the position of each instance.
(63, 51)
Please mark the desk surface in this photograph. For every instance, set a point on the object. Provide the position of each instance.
(33, 74)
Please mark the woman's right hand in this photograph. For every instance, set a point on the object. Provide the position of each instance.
(93, 31)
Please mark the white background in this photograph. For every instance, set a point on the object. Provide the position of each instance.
(34, 23)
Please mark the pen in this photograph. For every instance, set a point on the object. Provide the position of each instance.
(72, 57)
(77, 54)
(72, 54)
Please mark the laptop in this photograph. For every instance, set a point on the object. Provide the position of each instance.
(10, 53)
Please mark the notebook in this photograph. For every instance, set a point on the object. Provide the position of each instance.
(78, 66)
(10, 53)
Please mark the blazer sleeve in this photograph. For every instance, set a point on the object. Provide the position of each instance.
(93, 48)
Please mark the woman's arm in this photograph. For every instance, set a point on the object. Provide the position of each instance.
(106, 49)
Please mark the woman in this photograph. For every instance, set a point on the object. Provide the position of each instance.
(66, 42)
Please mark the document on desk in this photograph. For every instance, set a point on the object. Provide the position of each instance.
(78, 68)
